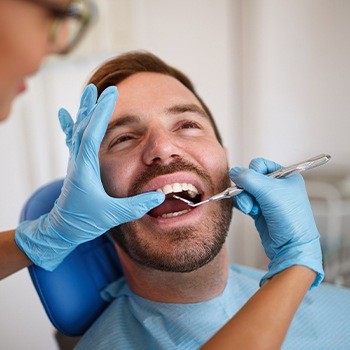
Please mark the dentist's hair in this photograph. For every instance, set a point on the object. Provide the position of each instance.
(117, 69)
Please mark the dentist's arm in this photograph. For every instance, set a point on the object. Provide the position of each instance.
(12, 259)
(283, 217)
(284, 220)
(74, 219)
(263, 321)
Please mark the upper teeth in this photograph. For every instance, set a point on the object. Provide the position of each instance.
(177, 187)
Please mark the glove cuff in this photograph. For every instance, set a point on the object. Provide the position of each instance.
(309, 255)
(41, 243)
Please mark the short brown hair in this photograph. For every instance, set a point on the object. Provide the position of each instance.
(121, 67)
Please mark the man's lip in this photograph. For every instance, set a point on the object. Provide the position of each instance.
(184, 219)
(170, 205)
(161, 181)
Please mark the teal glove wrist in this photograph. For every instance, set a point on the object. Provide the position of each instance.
(42, 244)
(83, 210)
(283, 217)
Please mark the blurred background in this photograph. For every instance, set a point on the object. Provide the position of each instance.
(275, 74)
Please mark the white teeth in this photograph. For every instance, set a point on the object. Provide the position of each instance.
(184, 186)
(172, 215)
(167, 189)
(177, 187)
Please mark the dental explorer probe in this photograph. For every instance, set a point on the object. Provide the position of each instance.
(284, 172)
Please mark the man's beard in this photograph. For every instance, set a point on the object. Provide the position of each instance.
(187, 248)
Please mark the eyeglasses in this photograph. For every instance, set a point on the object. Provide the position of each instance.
(71, 23)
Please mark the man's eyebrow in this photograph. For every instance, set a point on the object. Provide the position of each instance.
(125, 120)
(176, 109)
(183, 108)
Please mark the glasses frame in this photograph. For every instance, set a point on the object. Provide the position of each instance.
(86, 18)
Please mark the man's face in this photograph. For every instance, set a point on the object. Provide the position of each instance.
(159, 137)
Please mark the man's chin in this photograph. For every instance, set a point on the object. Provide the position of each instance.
(182, 249)
(184, 262)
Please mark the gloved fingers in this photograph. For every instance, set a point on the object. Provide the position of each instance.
(78, 132)
(67, 124)
(264, 166)
(87, 102)
(251, 181)
(243, 202)
(246, 204)
(132, 208)
(246, 178)
(100, 117)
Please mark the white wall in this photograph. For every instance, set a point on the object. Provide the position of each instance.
(296, 83)
(274, 72)
(297, 79)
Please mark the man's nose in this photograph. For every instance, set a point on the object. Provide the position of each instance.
(161, 147)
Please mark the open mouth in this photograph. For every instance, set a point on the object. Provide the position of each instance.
(172, 207)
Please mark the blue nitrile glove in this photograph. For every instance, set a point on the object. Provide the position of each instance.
(83, 210)
(283, 216)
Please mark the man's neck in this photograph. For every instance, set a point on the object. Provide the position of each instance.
(176, 287)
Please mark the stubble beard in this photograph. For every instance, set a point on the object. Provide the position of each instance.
(182, 249)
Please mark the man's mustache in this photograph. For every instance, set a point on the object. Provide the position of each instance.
(158, 169)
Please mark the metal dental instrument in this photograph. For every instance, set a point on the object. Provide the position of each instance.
(284, 172)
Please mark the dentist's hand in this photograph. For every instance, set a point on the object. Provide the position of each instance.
(283, 216)
(83, 210)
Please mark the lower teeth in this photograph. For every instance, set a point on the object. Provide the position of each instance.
(172, 215)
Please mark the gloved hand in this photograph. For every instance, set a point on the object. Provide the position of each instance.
(83, 210)
(283, 216)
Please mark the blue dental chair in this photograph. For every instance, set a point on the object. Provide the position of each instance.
(71, 293)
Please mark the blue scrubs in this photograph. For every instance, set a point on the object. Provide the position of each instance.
(132, 322)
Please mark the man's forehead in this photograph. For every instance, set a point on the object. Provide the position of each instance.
(147, 91)
(142, 84)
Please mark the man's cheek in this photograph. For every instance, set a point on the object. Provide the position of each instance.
(107, 175)
(115, 179)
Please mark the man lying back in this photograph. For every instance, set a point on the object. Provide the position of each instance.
(179, 288)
